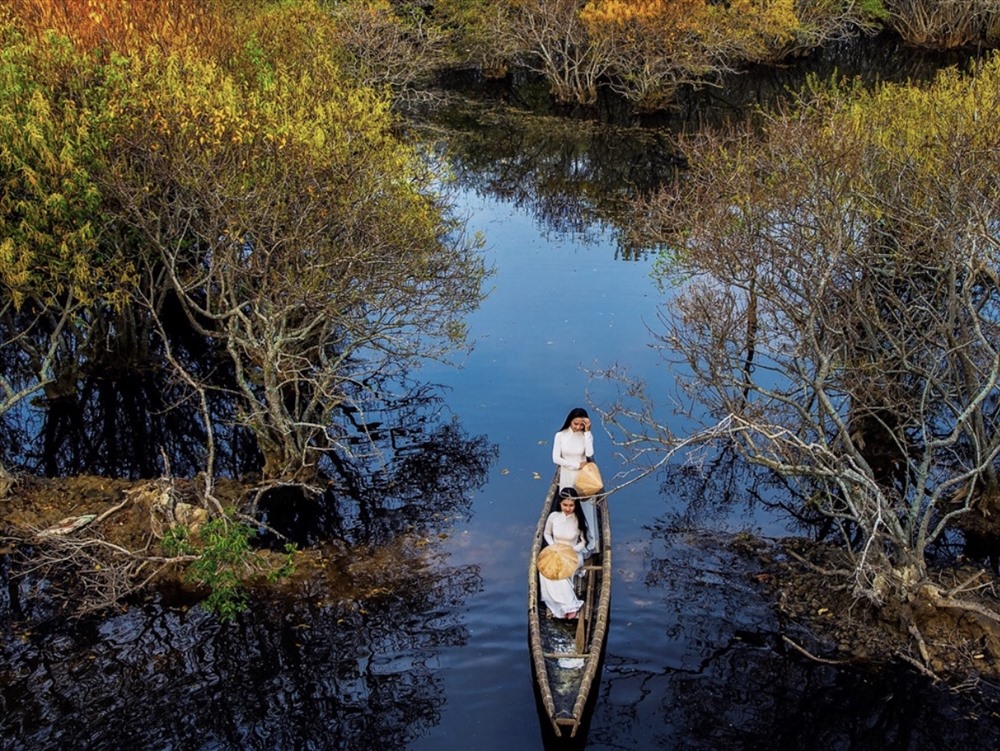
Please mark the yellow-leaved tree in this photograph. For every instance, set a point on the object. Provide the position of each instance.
(196, 189)
(57, 276)
(238, 172)
(838, 318)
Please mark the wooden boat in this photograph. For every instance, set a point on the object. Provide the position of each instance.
(567, 655)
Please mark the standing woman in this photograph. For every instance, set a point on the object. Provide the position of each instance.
(573, 447)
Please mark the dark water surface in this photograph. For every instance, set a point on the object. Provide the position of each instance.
(434, 657)
(695, 658)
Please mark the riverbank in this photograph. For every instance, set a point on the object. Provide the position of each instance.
(957, 645)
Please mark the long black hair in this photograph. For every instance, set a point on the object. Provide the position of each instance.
(581, 520)
(573, 414)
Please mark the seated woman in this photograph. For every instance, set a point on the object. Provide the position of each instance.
(569, 527)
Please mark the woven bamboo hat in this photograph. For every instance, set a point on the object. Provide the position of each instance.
(557, 561)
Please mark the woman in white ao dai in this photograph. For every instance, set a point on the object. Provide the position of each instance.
(572, 447)
(566, 526)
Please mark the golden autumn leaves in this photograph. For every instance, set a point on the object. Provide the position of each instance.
(217, 157)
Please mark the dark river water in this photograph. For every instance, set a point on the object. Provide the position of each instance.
(695, 654)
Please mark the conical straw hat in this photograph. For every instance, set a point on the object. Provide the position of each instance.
(557, 561)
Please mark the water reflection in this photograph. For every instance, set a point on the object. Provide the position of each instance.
(425, 483)
(126, 414)
(753, 699)
(575, 172)
(342, 659)
(718, 484)
(574, 176)
(109, 414)
(728, 680)
(118, 410)
(345, 664)
(870, 60)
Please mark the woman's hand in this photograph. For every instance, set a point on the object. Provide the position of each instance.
(582, 464)
(586, 423)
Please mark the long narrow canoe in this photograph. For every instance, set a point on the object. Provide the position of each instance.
(567, 655)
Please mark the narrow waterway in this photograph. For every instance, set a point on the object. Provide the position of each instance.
(434, 656)
(695, 658)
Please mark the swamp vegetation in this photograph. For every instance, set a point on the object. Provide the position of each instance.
(219, 204)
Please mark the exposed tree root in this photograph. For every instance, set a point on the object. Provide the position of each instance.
(947, 628)
(103, 573)
(933, 594)
(114, 509)
(921, 644)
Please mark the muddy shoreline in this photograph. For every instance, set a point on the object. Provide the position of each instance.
(801, 577)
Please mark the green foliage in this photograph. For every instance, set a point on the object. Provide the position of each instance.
(54, 128)
(873, 9)
(224, 562)
(247, 174)
(263, 69)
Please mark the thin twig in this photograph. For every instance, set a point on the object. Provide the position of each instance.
(965, 584)
(810, 655)
(922, 668)
(818, 569)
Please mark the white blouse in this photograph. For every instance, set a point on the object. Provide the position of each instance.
(562, 528)
(569, 449)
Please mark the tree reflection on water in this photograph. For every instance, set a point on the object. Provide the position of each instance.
(341, 660)
(425, 483)
(573, 176)
(729, 680)
(303, 673)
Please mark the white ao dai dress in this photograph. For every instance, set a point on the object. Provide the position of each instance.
(569, 449)
(558, 594)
